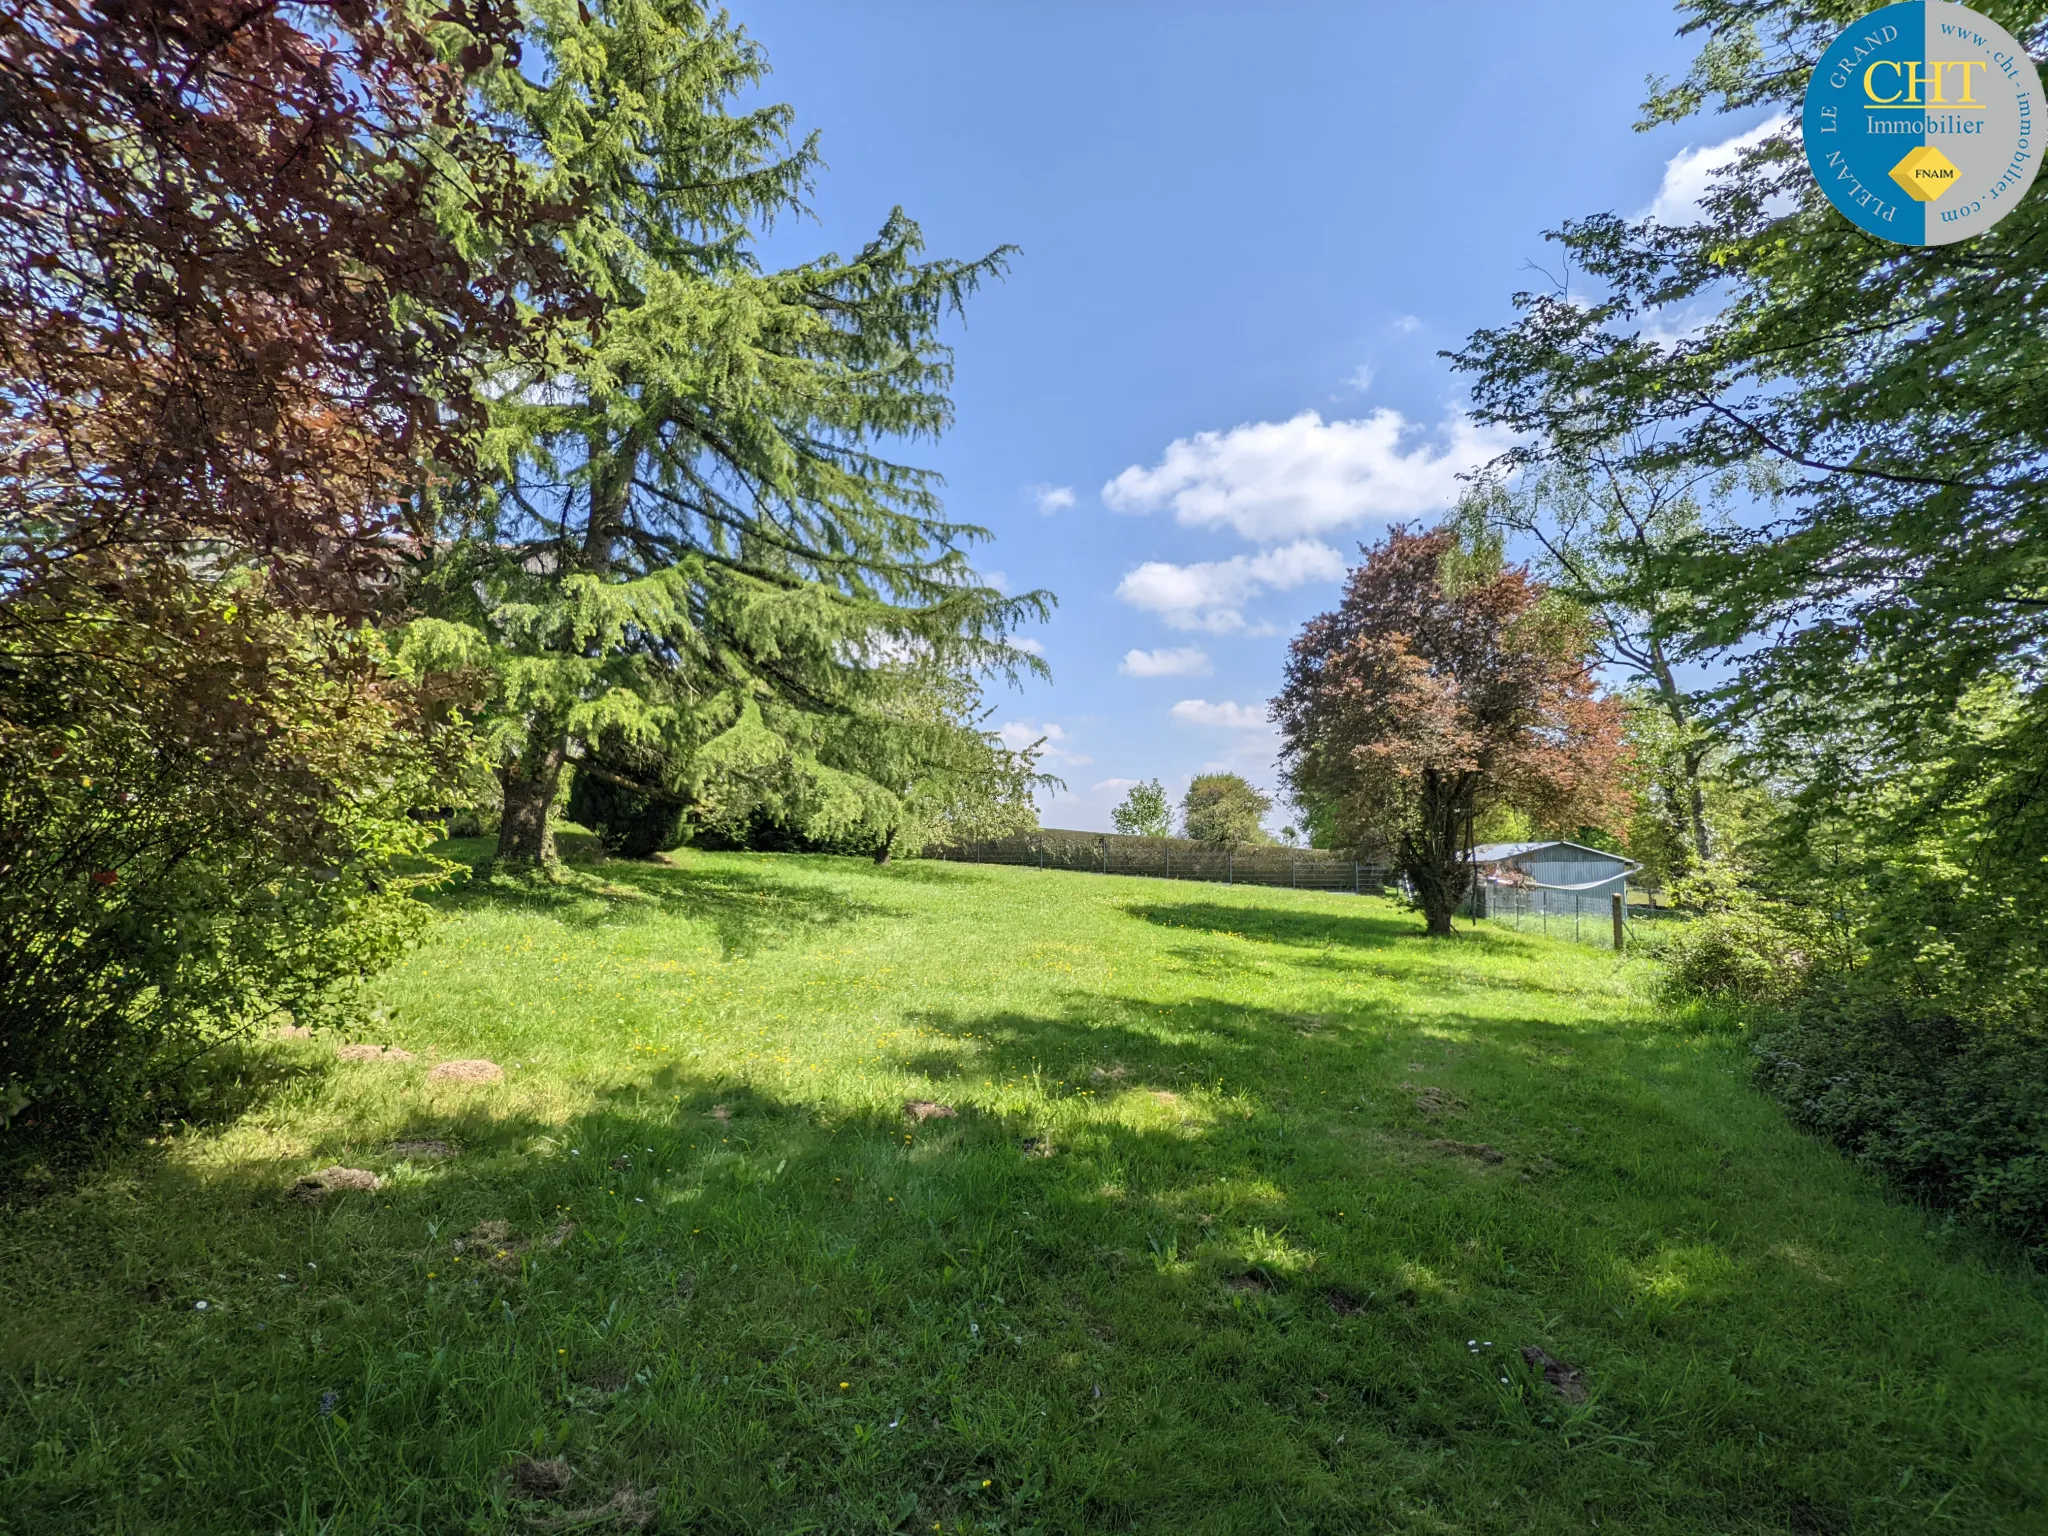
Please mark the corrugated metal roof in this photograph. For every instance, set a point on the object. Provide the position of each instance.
(1498, 853)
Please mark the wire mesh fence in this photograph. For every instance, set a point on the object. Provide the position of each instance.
(1173, 858)
(1568, 915)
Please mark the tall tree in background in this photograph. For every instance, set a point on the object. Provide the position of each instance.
(694, 541)
(1224, 809)
(1441, 685)
(1145, 811)
(1606, 529)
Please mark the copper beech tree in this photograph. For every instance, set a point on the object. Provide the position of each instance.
(253, 256)
(1442, 685)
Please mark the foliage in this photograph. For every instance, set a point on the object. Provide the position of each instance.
(1898, 392)
(1955, 1113)
(1887, 620)
(1439, 687)
(1145, 811)
(204, 826)
(906, 763)
(1224, 809)
(250, 257)
(1740, 946)
(690, 539)
(707, 1066)
(1605, 528)
(619, 796)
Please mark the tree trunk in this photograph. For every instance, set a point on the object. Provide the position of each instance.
(1432, 854)
(526, 835)
(1678, 706)
(1700, 843)
(888, 848)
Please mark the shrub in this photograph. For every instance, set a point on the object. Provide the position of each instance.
(1741, 945)
(1956, 1113)
(1745, 956)
(205, 825)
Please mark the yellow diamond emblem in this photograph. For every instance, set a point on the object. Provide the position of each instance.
(1925, 173)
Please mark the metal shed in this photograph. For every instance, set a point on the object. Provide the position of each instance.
(1555, 876)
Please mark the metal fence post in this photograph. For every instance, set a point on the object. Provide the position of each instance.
(1619, 913)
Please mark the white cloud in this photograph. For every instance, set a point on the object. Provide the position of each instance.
(1234, 717)
(1112, 786)
(1689, 174)
(1052, 498)
(1019, 734)
(1360, 379)
(1273, 480)
(1407, 325)
(1210, 594)
(1000, 580)
(1180, 661)
(1028, 645)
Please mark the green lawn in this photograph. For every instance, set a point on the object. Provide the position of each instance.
(1251, 1201)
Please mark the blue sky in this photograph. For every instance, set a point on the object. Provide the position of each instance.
(1246, 232)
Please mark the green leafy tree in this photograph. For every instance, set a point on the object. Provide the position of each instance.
(913, 765)
(1145, 811)
(1224, 809)
(206, 825)
(1899, 393)
(1605, 528)
(695, 542)
(1887, 619)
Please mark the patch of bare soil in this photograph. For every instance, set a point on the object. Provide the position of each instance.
(1166, 1096)
(721, 1114)
(608, 1379)
(315, 1187)
(921, 1110)
(1115, 1072)
(1344, 1303)
(627, 1510)
(293, 1032)
(540, 1479)
(1473, 1149)
(361, 1051)
(424, 1150)
(494, 1243)
(1432, 1102)
(1565, 1380)
(466, 1072)
(1253, 1282)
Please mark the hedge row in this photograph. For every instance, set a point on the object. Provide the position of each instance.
(1172, 858)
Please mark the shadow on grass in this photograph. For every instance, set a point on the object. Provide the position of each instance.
(747, 912)
(761, 1312)
(1273, 925)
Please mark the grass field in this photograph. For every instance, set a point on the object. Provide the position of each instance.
(1250, 1202)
